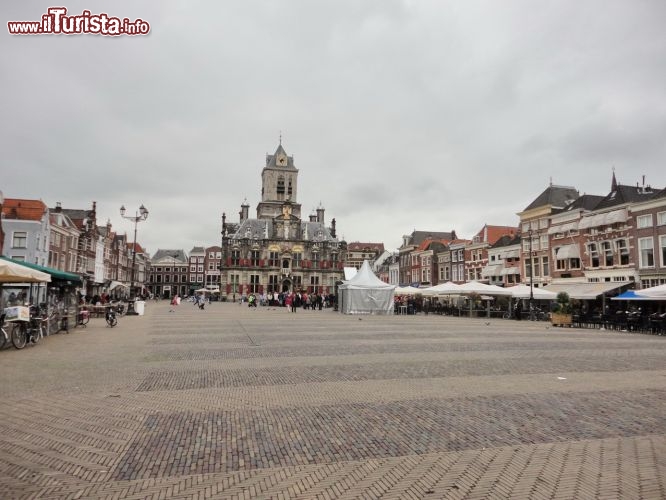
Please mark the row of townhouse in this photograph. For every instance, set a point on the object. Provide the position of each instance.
(174, 272)
(617, 239)
(70, 240)
(562, 239)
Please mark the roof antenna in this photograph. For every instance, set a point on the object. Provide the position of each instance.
(551, 181)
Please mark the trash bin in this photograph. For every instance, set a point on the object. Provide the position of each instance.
(140, 307)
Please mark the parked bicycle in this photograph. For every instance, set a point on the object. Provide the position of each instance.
(110, 317)
(29, 332)
(6, 337)
(537, 314)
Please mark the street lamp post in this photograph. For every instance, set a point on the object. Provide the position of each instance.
(531, 274)
(139, 216)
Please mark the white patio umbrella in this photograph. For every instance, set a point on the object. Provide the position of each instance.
(481, 289)
(523, 292)
(656, 292)
(202, 290)
(448, 288)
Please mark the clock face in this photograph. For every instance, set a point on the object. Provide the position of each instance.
(282, 160)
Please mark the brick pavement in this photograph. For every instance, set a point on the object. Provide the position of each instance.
(237, 403)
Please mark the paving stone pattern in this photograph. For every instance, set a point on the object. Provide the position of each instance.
(233, 402)
(203, 379)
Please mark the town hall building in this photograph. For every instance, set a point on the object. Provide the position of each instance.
(278, 251)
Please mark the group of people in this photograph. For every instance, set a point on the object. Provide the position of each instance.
(290, 300)
(313, 301)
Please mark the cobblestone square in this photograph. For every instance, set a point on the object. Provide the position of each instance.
(233, 402)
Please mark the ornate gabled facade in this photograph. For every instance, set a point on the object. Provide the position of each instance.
(278, 251)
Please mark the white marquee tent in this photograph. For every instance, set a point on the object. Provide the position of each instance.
(365, 293)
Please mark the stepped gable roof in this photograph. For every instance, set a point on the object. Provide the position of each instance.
(15, 208)
(162, 253)
(627, 194)
(556, 196)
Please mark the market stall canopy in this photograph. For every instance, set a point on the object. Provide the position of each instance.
(481, 289)
(523, 292)
(632, 295)
(408, 290)
(202, 290)
(56, 274)
(14, 272)
(583, 291)
(448, 288)
(116, 284)
(656, 292)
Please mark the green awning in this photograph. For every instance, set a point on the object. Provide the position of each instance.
(56, 274)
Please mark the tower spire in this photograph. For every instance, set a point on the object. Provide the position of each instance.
(280, 137)
(614, 181)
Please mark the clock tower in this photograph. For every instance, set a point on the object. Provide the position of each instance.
(279, 184)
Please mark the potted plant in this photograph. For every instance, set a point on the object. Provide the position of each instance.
(561, 314)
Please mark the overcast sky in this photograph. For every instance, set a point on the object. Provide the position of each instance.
(401, 115)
